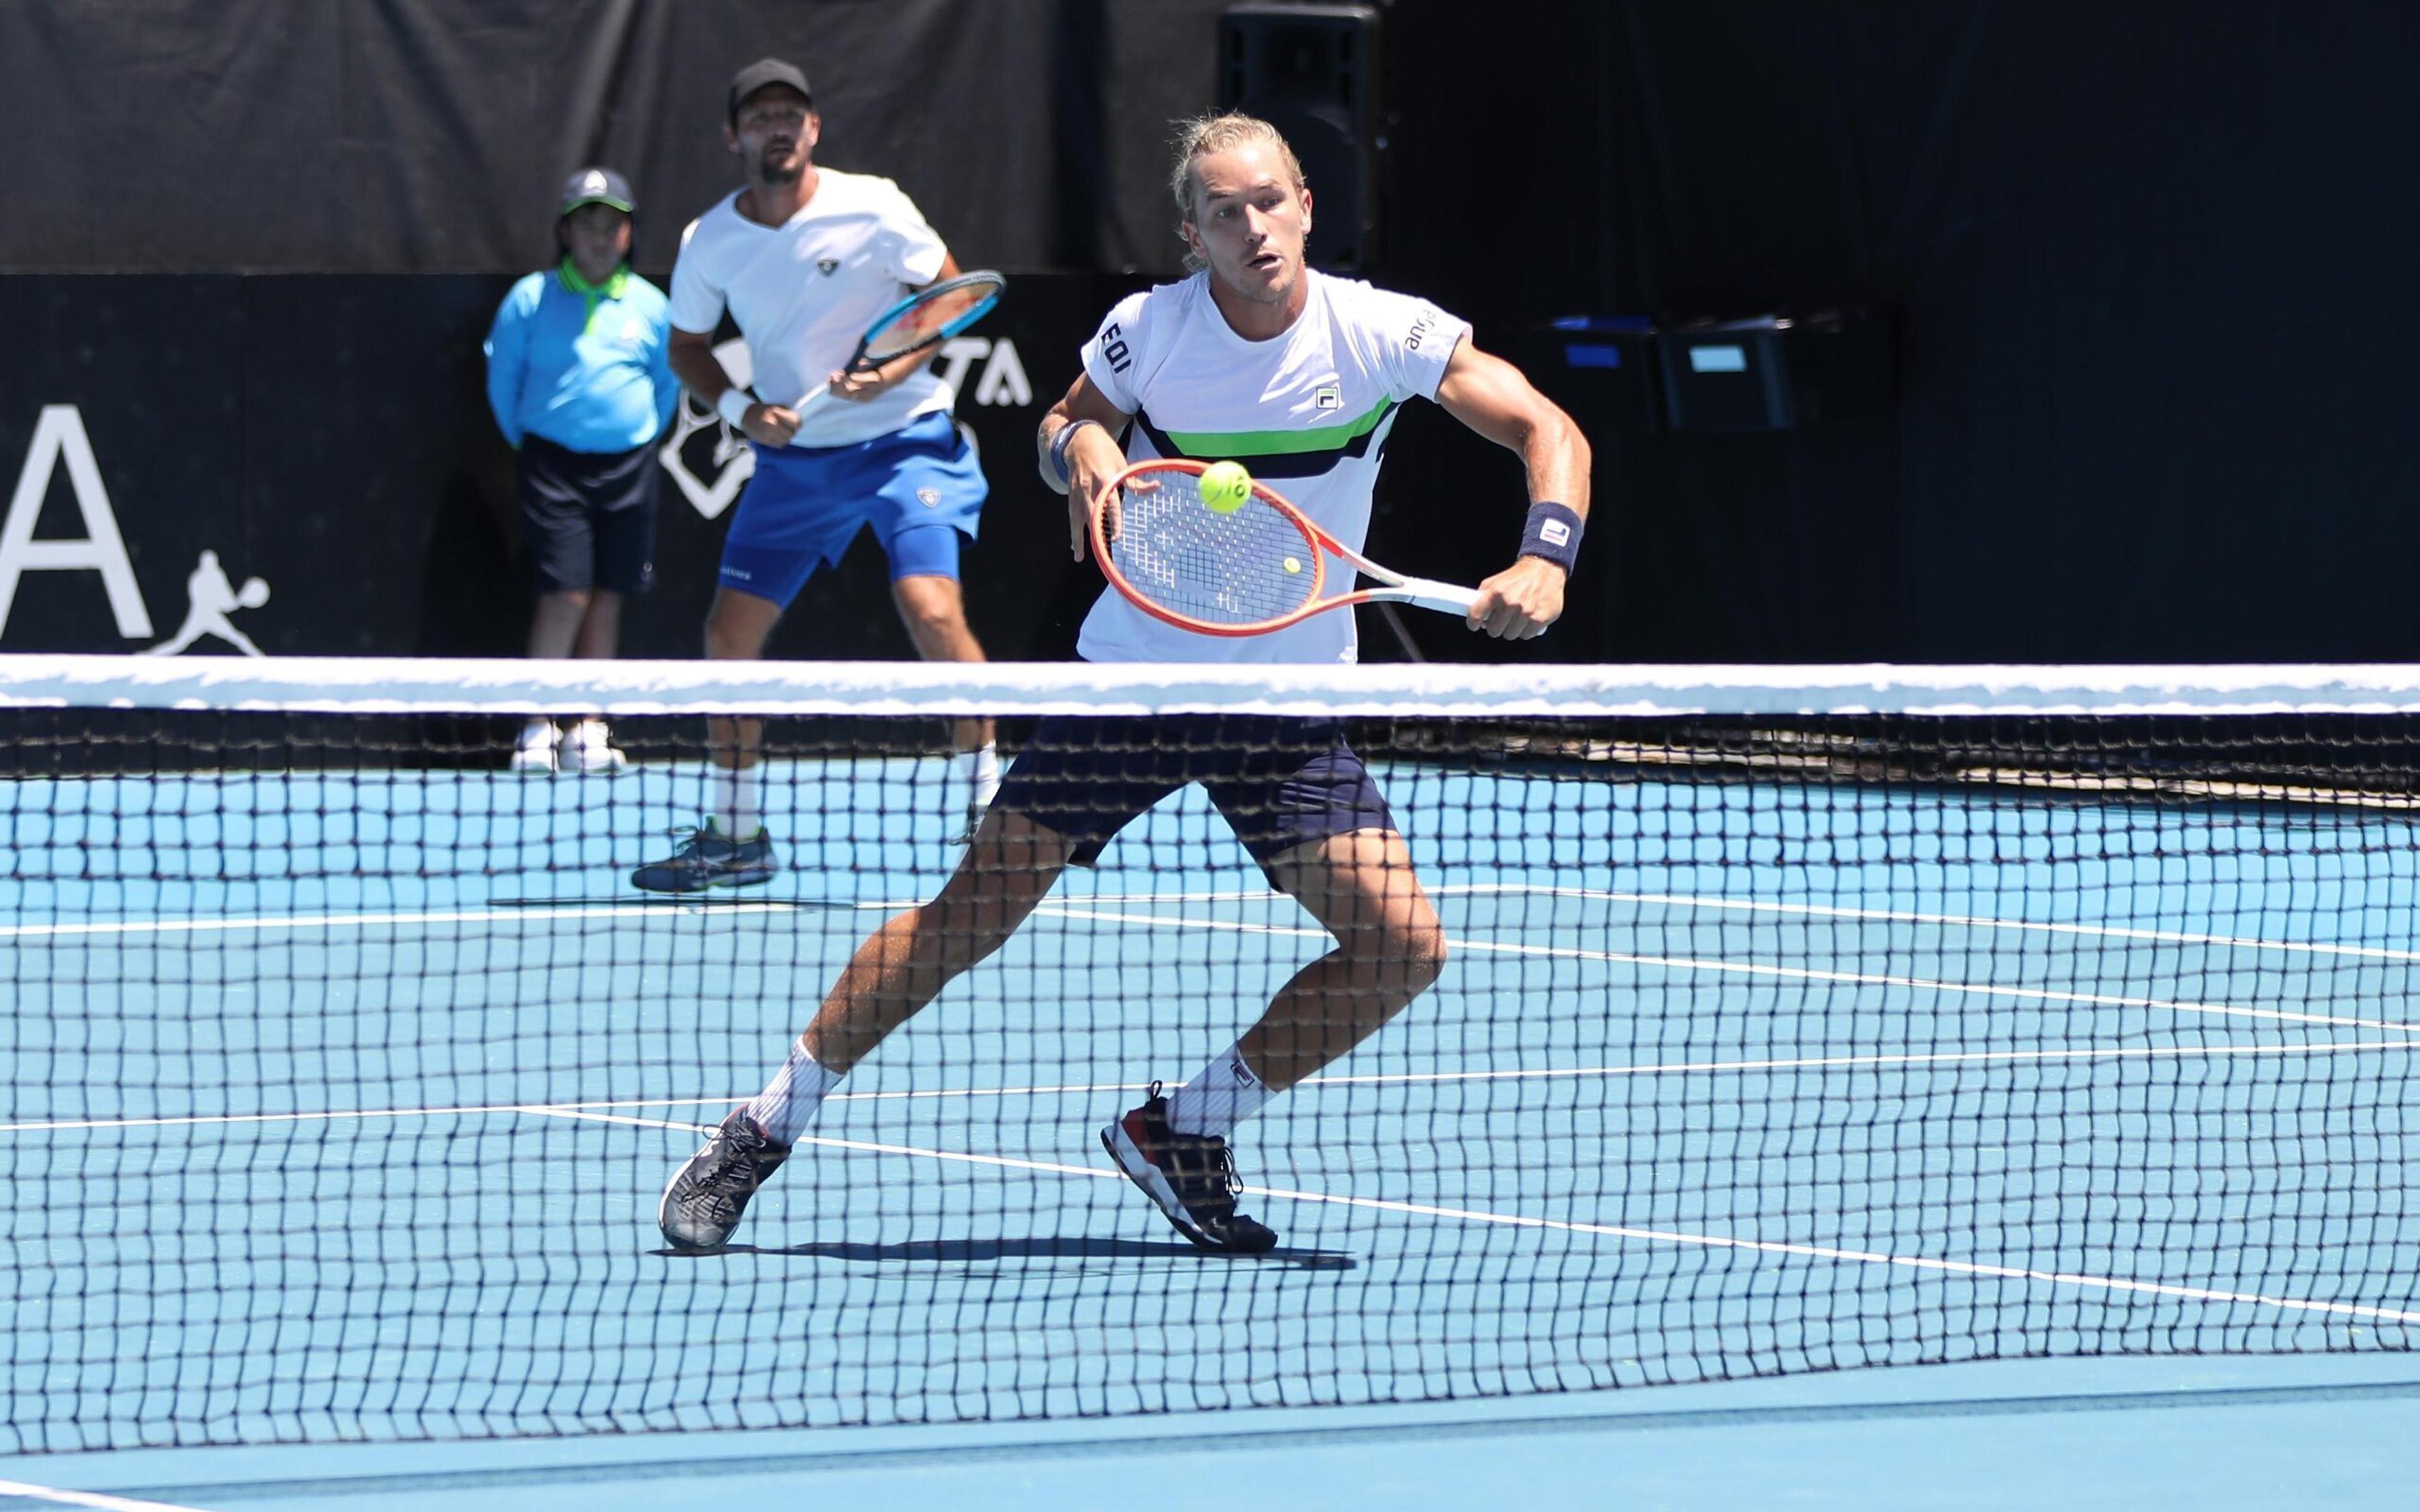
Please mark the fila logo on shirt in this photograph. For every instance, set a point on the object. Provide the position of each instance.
(827, 266)
(1330, 396)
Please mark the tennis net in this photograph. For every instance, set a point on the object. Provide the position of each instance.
(1790, 1019)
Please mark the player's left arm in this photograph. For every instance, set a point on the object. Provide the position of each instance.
(866, 385)
(1491, 397)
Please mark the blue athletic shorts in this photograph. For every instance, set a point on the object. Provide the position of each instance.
(1280, 782)
(919, 487)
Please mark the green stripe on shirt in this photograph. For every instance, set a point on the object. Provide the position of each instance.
(1280, 442)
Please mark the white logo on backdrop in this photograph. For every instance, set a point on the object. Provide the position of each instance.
(210, 599)
(59, 435)
(731, 462)
(1003, 375)
(713, 487)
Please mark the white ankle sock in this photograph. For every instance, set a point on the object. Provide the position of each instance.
(1225, 1093)
(975, 774)
(788, 1105)
(738, 807)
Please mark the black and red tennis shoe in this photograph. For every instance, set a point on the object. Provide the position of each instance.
(1191, 1177)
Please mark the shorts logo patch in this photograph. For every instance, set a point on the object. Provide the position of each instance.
(827, 266)
(929, 498)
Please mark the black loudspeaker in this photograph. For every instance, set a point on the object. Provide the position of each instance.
(1312, 72)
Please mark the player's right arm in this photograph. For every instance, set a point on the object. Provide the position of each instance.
(507, 350)
(1083, 459)
(695, 307)
(1093, 454)
(694, 364)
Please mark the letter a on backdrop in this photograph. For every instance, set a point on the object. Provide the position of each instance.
(59, 434)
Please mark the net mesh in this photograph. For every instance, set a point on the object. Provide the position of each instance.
(1782, 1026)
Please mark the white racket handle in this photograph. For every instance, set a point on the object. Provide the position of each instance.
(1427, 592)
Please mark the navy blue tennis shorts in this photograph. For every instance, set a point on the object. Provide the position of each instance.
(589, 517)
(1280, 782)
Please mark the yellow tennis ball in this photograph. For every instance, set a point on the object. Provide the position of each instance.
(1293, 564)
(1225, 485)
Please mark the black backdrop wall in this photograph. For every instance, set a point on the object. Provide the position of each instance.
(2144, 265)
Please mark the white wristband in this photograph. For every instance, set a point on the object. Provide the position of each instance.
(733, 406)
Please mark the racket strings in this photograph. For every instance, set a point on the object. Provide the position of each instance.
(1228, 569)
(925, 321)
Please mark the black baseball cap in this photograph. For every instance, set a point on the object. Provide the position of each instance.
(596, 186)
(764, 73)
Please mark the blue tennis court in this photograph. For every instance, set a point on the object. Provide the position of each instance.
(340, 1101)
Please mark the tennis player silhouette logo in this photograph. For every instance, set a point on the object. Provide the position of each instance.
(211, 598)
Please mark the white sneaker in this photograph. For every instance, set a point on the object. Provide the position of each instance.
(587, 747)
(535, 752)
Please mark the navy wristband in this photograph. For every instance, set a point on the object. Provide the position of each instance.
(1059, 445)
(1552, 532)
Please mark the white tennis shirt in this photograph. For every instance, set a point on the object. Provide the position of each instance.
(803, 292)
(1308, 413)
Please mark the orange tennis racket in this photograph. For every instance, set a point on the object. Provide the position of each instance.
(1257, 568)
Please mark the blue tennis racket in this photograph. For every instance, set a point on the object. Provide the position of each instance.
(920, 322)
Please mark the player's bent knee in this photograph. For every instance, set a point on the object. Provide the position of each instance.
(731, 642)
(1424, 956)
(930, 608)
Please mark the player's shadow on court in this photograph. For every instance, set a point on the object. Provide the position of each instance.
(1044, 1247)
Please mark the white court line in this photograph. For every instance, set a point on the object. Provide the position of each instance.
(1371, 1079)
(448, 915)
(862, 1146)
(1822, 1062)
(1557, 1224)
(1651, 1236)
(1887, 916)
(577, 911)
(92, 1499)
(1747, 968)
(466, 1110)
(1822, 1252)
(2112, 932)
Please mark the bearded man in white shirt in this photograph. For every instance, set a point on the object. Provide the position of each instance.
(805, 259)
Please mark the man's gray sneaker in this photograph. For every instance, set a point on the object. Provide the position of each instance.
(703, 1203)
(709, 858)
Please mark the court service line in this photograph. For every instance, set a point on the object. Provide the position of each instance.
(1656, 1236)
(1750, 968)
(1823, 1062)
(100, 1500)
(2363, 953)
(1366, 1079)
(1825, 1252)
(442, 916)
(862, 1146)
(1887, 916)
